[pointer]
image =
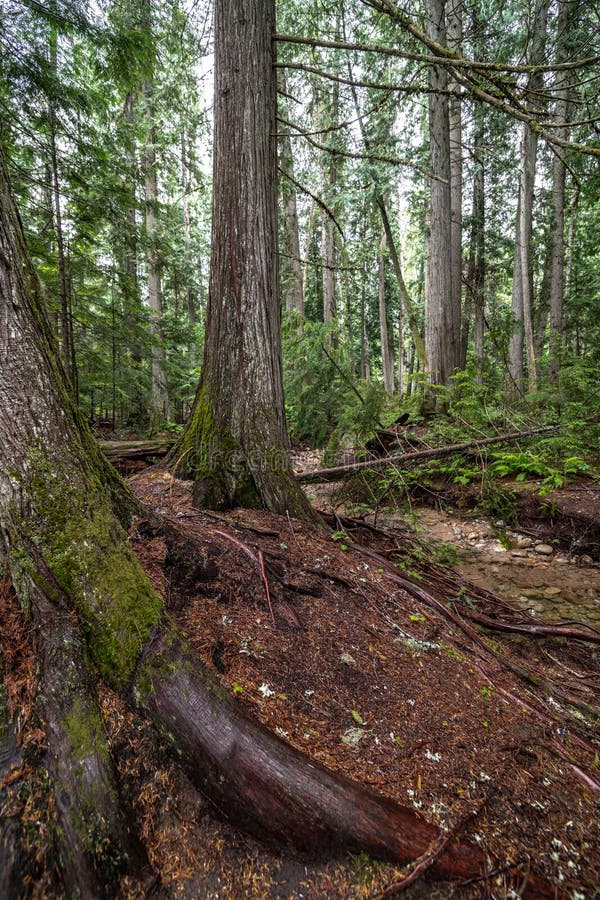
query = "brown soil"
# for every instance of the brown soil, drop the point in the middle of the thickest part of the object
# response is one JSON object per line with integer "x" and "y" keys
{"x": 356, "y": 671}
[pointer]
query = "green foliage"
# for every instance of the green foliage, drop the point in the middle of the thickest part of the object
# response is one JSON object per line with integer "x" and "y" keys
{"x": 323, "y": 405}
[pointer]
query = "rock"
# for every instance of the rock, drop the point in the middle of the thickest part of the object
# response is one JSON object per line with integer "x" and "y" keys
{"x": 586, "y": 560}
{"x": 519, "y": 553}
{"x": 353, "y": 737}
{"x": 544, "y": 549}
{"x": 551, "y": 592}
{"x": 523, "y": 543}
{"x": 473, "y": 536}
{"x": 349, "y": 660}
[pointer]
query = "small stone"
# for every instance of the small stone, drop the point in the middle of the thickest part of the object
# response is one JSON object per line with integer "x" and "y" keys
{"x": 544, "y": 549}
{"x": 353, "y": 737}
{"x": 499, "y": 523}
{"x": 586, "y": 560}
{"x": 497, "y": 547}
{"x": 519, "y": 553}
{"x": 523, "y": 543}
{"x": 551, "y": 592}
{"x": 473, "y": 536}
{"x": 349, "y": 660}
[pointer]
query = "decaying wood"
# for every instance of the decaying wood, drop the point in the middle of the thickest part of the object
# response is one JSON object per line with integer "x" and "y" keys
{"x": 95, "y": 845}
{"x": 337, "y": 473}
{"x": 145, "y": 450}
{"x": 11, "y": 856}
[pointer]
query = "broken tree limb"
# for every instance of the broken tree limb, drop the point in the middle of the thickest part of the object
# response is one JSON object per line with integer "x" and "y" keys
{"x": 337, "y": 473}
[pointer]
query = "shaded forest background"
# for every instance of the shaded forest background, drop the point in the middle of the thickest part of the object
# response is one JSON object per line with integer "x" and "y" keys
{"x": 427, "y": 234}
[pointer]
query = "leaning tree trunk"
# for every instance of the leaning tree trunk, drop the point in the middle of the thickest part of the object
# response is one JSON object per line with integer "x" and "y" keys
{"x": 62, "y": 510}
{"x": 236, "y": 444}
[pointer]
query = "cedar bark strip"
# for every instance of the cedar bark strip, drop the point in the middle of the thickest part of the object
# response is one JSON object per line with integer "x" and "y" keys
{"x": 336, "y": 473}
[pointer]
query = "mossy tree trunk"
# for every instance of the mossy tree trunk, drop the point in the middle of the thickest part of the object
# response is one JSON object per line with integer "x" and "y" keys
{"x": 62, "y": 516}
{"x": 236, "y": 445}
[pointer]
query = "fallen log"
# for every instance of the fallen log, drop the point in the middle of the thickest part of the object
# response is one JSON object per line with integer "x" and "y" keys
{"x": 337, "y": 473}
{"x": 126, "y": 450}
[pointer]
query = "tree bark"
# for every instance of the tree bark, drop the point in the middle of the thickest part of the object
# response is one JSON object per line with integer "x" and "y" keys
{"x": 159, "y": 412}
{"x": 455, "y": 35}
{"x": 387, "y": 361}
{"x": 292, "y": 266}
{"x": 442, "y": 319}
{"x": 476, "y": 269}
{"x": 236, "y": 444}
{"x": 522, "y": 285}
{"x": 557, "y": 251}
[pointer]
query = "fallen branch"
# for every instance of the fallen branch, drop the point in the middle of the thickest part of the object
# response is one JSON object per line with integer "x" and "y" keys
{"x": 336, "y": 473}
{"x": 122, "y": 450}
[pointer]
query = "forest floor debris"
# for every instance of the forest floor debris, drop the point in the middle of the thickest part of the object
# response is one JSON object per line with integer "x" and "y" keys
{"x": 363, "y": 677}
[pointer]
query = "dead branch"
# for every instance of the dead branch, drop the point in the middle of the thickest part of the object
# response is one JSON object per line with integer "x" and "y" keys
{"x": 337, "y": 473}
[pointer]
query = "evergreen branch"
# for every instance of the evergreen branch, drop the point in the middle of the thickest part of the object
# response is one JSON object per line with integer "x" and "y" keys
{"x": 370, "y": 85}
{"x": 446, "y": 58}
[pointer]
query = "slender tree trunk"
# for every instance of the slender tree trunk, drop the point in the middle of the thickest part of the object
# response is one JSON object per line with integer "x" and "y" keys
{"x": 557, "y": 255}
{"x": 191, "y": 294}
{"x": 387, "y": 362}
{"x": 455, "y": 34}
{"x": 522, "y": 284}
{"x": 292, "y": 265}
{"x": 405, "y": 298}
{"x": 365, "y": 369}
{"x": 476, "y": 272}
{"x": 236, "y": 443}
{"x": 159, "y": 413}
{"x": 441, "y": 316}
{"x": 329, "y": 231}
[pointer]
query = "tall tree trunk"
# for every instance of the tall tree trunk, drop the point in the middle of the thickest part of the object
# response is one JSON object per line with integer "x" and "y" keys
{"x": 476, "y": 271}
{"x": 365, "y": 368}
{"x": 522, "y": 285}
{"x": 66, "y": 318}
{"x": 236, "y": 443}
{"x": 557, "y": 253}
{"x": 329, "y": 230}
{"x": 292, "y": 264}
{"x": 191, "y": 294}
{"x": 387, "y": 361}
{"x": 442, "y": 319}
{"x": 455, "y": 34}
{"x": 159, "y": 413}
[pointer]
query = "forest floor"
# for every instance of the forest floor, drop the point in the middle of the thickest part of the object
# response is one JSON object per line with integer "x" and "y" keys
{"x": 351, "y": 658}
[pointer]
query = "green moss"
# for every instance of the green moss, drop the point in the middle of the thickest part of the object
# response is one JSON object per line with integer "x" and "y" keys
{"x": 209, "y": 454}
{"x": 84, "y": 730}
{"x": 88, "y": 557}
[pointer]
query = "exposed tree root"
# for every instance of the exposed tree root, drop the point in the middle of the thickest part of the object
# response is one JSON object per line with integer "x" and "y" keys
{"x": 94, "y": 841}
